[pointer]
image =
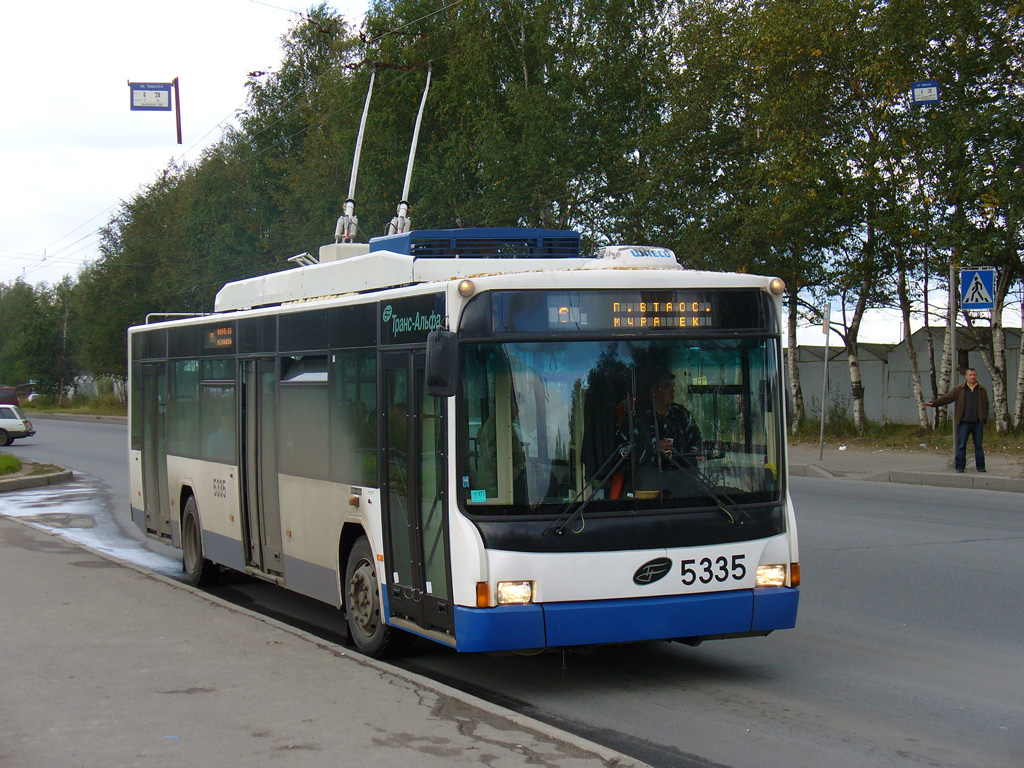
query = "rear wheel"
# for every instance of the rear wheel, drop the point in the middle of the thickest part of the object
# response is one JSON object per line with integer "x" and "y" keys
{"x": 366, "y": 627}
{"x": 198, "y": 569}
{"x": 5, "y": 439}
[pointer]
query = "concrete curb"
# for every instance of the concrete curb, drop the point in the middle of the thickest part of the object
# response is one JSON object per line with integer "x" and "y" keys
{"x": 35, "y": 481}
{"x": 608, "y": 756}
{"x": 90, "y": 417}
{"x": 970, "y": 481}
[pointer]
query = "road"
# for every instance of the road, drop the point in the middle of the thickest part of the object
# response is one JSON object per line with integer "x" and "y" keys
{"x": 908, "y": 649}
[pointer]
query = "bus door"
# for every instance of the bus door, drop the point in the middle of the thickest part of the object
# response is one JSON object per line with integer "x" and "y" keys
{"x": 261, "y": 511}
{"x": 154, "y": 449}
{"x": 416, "y": 521}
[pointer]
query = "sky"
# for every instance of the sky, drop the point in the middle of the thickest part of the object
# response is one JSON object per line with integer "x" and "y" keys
{"x": 71, "y": 149}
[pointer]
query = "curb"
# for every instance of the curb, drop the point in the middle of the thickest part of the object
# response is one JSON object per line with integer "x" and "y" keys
{"x": 904, "y": 477}
{"x": 90, "y": 417}
{"x": 35, "y": 481}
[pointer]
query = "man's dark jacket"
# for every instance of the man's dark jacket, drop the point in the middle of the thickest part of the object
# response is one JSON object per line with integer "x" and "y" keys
{"x": 957, "y": 394}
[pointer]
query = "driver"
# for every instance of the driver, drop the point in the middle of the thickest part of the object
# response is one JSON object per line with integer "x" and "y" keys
{"x": 668, "y": 427}
{"x": 666, "y": 435}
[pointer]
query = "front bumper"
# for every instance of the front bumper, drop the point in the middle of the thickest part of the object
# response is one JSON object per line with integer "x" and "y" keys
{"x": 681, "y": 617}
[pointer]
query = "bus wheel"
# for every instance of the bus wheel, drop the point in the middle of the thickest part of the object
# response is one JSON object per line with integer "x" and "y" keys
{"x": 366, "y": 628}
{"x": 198, "y": 569}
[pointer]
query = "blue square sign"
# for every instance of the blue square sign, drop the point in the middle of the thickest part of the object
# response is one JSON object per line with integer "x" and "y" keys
{"x": 977, "y": 288}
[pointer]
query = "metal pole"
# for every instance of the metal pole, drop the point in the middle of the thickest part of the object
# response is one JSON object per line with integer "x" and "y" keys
{"x": 954, "y": 373}
{"x": 824, "y": 385}
{"x": 177, "y": 108}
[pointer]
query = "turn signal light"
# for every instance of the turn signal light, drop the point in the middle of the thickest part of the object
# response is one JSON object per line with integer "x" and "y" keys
{"x": 483, "y": 595}
{"x": 794, "y": 574}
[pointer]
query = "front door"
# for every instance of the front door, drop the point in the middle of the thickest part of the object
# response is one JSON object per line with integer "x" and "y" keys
{"x": 416, "y": 520}
{"x": 260, "y": 508}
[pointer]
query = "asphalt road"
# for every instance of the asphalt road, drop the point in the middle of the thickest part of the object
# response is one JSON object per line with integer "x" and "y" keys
{"x": 908, "y": 650}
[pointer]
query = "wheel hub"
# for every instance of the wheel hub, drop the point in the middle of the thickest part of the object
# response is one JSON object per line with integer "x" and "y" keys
{"x": 362, "y": 595}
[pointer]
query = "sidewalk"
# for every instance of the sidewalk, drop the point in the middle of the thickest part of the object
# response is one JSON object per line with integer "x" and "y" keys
{"x": 106, "y": 665}
{"x": 935, "y": 468}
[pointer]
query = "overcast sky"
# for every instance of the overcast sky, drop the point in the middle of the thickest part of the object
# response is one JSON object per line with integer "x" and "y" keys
{"x": 70, "y": 147}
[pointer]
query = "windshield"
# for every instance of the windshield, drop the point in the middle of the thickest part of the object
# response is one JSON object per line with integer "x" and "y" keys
{"x": 656, "y": 424}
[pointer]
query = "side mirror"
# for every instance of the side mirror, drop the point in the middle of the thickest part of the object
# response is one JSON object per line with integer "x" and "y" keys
{"x": 442, "y": 362}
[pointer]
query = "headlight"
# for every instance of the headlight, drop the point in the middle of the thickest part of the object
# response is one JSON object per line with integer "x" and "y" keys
{"x": 771, "y": 575}
{"x": 515, "y": 592}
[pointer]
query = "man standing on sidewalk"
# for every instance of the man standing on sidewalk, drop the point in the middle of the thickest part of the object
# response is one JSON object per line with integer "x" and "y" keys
{"x": 969, "y": 415}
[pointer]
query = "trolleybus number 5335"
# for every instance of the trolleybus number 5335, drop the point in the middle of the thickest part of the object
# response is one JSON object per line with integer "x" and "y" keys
{"x": 720, "y": 569}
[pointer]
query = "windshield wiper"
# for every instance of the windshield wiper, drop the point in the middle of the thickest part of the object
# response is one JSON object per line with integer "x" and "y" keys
{"x": 567, "y": 515}
{"x": 729, "y": 508}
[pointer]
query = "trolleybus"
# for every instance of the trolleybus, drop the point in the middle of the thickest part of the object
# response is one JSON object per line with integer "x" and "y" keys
{"x": 480, "y": 437}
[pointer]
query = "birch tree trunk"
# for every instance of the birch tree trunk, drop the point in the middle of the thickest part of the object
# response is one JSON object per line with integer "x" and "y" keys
{"x": 945, "y": 372}
{"x": 915, "y": 371}
{"x": 791, "y": 360}
{"x": 995, "y": 357}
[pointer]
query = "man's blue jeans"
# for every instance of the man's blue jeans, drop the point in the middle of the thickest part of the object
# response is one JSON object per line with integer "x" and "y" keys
{"x": 974, "y": 429}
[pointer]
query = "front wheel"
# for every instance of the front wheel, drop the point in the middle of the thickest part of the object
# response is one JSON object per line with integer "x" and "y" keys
{"x": 366, "y": 627}
{"x": 197, "y": 568}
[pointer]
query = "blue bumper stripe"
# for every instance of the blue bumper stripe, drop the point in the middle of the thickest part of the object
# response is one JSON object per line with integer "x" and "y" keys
{"x": 774, "y": 609}
{"x": 505, "y": 628}
{"x": 556, "y": 625}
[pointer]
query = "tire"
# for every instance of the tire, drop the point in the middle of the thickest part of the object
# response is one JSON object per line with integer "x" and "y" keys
{"x": 366, "y": 628}
{"x": 5, "y": 439}
{"x": 198, "y": 569}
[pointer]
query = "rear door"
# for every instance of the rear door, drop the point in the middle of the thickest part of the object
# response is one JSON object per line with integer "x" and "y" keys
{"x": 154, "y": 449}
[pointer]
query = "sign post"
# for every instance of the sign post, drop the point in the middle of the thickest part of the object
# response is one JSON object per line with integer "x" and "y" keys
{"x": 824, "y": 381}
{"x": 156, "y": 97}
{"x": 954, "y": 357}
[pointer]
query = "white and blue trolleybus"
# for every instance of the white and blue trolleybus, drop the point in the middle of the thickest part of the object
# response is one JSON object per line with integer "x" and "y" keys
{"x": 482, "y": 438}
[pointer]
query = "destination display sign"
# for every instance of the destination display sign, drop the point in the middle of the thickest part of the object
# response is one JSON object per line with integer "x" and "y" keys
{"x": 618, "y": 311}
{"x": 222, "y": 337}
{"x": 662, "y": 314}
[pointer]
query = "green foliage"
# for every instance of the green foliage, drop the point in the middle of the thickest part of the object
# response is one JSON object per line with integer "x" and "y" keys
{"x": 9, "y": 464}
{"x": 772, "y": 136}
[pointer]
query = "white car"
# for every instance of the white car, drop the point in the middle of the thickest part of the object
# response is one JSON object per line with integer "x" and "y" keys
{"x": 13, "y": 425}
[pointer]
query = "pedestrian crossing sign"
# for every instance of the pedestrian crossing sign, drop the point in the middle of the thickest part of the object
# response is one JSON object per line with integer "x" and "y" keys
{"x": 977, "y": 288}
